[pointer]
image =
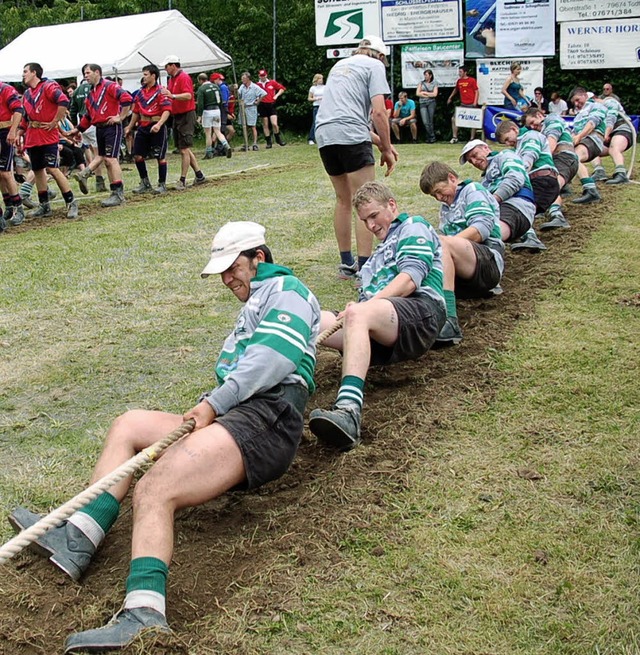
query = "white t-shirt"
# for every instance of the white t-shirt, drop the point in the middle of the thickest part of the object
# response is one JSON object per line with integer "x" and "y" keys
{"x": 316, "y": 92}
{"x": 558, "y": 107}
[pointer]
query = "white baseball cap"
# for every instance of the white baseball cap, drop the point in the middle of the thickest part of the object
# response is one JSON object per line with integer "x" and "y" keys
{"x": 375, "y": 43}
{"x": 170, "y": 59}
{"x": 230, "y": 240}
{"x": 468, "y": 147}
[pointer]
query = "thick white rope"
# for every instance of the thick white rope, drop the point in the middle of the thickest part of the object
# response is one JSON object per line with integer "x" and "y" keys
{"x": 55, "y": 518}
{"x": 633, "y": 151}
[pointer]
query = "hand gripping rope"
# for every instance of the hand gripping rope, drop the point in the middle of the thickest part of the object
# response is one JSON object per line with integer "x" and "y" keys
{"x": 150, "y": 454}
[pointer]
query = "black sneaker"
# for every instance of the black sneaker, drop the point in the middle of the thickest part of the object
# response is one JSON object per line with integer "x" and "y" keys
{"x": 599, "y": 174}
{"x": 338, "y": 426}
{"x": 348, "y": 272}
{"x": 529, "y": 242}
{"x": 588, "y": 195}
{"x": 121, "y": 631}
{"x": 556, "y": 220}
{"x": 451, "y": 334}
{"x": 618, "y": 178}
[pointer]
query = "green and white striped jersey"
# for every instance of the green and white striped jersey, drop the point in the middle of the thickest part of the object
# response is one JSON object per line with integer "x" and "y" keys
{"x": 595, "y": 113}
{"x": 272, "y": 343}
{"x": 555, "y": 126}
{"x": 412, "y": 247}
{"x": 533, "y": 148}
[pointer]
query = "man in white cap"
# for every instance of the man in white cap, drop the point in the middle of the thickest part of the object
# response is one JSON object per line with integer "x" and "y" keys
{"x": 183, "y": 109}
{"x": 354, "y": 95}
{"x": 248, "y": 429}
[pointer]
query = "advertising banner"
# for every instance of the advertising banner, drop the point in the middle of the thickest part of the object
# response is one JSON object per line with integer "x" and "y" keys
{"x": 469, "y": 117}
{"x": 492, "y": 74}
{"x": 409, "y": 21}
{"x": 600, "y": 44}
{"x": 493, "y": 116}
{"x": 510, "y": 28}
{"x": 343, "y": 22}
{"x": 571, "y": 10}
{"x": 442, "y": 59}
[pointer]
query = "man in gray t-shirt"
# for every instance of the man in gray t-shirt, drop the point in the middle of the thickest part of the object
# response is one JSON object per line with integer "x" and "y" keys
{"x": 354, "y": 95}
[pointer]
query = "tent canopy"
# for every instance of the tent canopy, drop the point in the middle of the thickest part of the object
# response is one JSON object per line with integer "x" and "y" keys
{"x": 116, "y": 44}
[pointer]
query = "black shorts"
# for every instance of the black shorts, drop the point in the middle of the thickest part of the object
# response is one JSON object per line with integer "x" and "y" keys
{"x": 44, "y": 157}
{"x": 266, "y": 109}
{"x": 420, "y": 320}
{"x": 6, "y": 152}
{"x": 485, "y": 277}
{"x": 623, "y": 130}
{"x": 184, "y": 126}
{"x": 545, "y": 190}
{"x": 341, "y": 159}
{"x": 593, "y": 149}
{"x": 109, "y": 138}
{"x": 150, "y": 144}
{"x": 518, "y": 223}
{"x": 267, "y": 428}
{"x": 71, "y": 155}
{"x": 567, "y": 164}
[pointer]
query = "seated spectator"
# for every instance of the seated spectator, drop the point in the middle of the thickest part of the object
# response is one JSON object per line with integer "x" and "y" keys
{"x": 404, "y": 114}
{"x": 505, "y": 176}
{"x": 557, "y": 105}
{"x": 539, "y": 100}
{"x": 400, "y": 312}
{"x": 472, "y": 247}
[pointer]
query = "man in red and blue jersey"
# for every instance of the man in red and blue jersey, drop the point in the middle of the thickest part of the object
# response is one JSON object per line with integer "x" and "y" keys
{"x": 45, "y": 104}
{"x": 180, "y": 91}
{"x": 11, "y": 113}
{"x": 267, "y": 107}
{"x": 107, "y": 106}
{"x": 151, "y": 111}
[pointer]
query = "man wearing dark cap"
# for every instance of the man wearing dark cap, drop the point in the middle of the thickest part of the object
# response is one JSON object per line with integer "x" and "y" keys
{"x": 267, "y": 107}
{"x": 225, "y": 124}
{"x": 183, "y": 108}
{"x": 247, "y": 432}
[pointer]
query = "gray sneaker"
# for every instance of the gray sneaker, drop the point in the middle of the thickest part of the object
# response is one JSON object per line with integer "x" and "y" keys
{"x": 72, "y": 209}
{"x": 199, "y": 180}
{"x": 6, "y": 215}
{"x": 144, "y": 186}
{"x": 65, "y": 546}
{"x": 555, "y": 221}
{"x": 451, "y": 333}
{"x": 115, "y": 199}
{"x": 44, "y": 210}
{"x": 52, "y": 193}
{"x": 81, "y": 178}
{"x": 588, "y": 195}
{"x": 180, "y": 185}
{"x": 348, "y": 272}
{"x": 121, "y": 631}
{"x": 101, "y": 187}
{"x": 618, "y": 178}
{"x": 228, "y": 151}
{"x": 599, "y": 174}
{"x": 338, "y": 426}
{"x": 160, "y": 190}
{"x": 3, "y": 223}
{"x": 18, "y": 215}
{"x": 27, "y": 202}
{"x": 529, "y": 242}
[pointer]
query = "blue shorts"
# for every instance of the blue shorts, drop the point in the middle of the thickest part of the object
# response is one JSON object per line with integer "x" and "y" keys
{"x": 109, "y": 138}
{"x": 150, "y": 144}
{"x": 6, "y": 152}
{"x": 44, "y": 157}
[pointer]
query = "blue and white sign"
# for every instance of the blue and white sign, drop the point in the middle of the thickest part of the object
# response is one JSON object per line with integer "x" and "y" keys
{"x": 416, "y": 21}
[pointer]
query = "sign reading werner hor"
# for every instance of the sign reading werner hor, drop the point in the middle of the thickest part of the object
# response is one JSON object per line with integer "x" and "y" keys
{"x": 567, "y": 10}
{"x": 600, "y": 44}
{"x": 412, "y": 21}
{"x": 343, "y": 22}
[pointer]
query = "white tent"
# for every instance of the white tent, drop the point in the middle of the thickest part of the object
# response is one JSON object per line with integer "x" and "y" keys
{"x": 121, "y": 46}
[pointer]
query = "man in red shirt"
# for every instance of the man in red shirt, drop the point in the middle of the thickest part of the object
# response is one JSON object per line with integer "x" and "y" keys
{"x": 45, "y": 105}
{"x": 107, "y": 106}
{"x": 151, "y": 111}
{"x": 267, "y": 107}
{"x": 11, "y": 113}
{"x": 180, "y": 91}
{"x": 467, "y": 88}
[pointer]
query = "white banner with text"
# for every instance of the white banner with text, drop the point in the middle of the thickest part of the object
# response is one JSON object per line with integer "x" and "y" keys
{"x": 572, "y": 10}
{"x": 343, "y": 22}
{"x": 442, "y": 59}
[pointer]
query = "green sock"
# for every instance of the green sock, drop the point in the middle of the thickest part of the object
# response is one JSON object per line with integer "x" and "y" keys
{"x": 351, "y": 391}
{"x": 149, "y": 574}
{"x": 587, "y": 183}
{"x": 103, "y": 510}
{"x": 450, "y": 300}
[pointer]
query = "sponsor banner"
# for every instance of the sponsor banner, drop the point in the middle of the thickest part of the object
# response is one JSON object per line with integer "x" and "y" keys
{"x": 343, "y": 22}
{"x": 493, "y": 73}
{"x": 442, "y": 59}
{"x": 510, "y": 28}
{"x": 572, "y": 10}
{"x": 469, "y": 117}
{"x": 600, "y": 44}
{"x": 410, "y": 21}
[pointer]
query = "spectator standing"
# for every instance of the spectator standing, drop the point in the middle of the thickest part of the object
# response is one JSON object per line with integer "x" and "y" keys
{"x": 467, "y": 88}
{"x": 512, "y": 90}
{"x": 427, "y": 92}
{"x": 557, "y": 105}
{"x": 11, "y": 113}
{"x": 354, "y": 93}
{"x": 251, "y": 95}
{"x": 208, "y": 102}
{"x": 315, "y": 96}
{"x": 404, "y": 113}
{"x": 267, "y": 107}
{"x": 183, "y": 108}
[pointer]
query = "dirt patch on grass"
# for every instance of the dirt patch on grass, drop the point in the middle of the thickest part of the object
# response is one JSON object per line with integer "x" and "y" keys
{"x": 270, "y": 540}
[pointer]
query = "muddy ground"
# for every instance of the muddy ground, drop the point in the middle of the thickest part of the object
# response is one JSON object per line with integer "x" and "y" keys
{"x": 269, "y": 539}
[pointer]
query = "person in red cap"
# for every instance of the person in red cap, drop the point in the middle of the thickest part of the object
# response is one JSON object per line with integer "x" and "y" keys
{"x": 267, "y": 107}
{"x": 225, "y": 125}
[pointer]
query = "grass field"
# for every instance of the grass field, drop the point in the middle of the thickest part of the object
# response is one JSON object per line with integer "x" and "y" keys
{"x": 493, "y": 508}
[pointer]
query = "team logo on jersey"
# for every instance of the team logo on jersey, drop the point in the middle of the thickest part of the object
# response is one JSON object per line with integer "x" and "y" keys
{"x": 421, "y": 241}
{"x": 284, "y": 318}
